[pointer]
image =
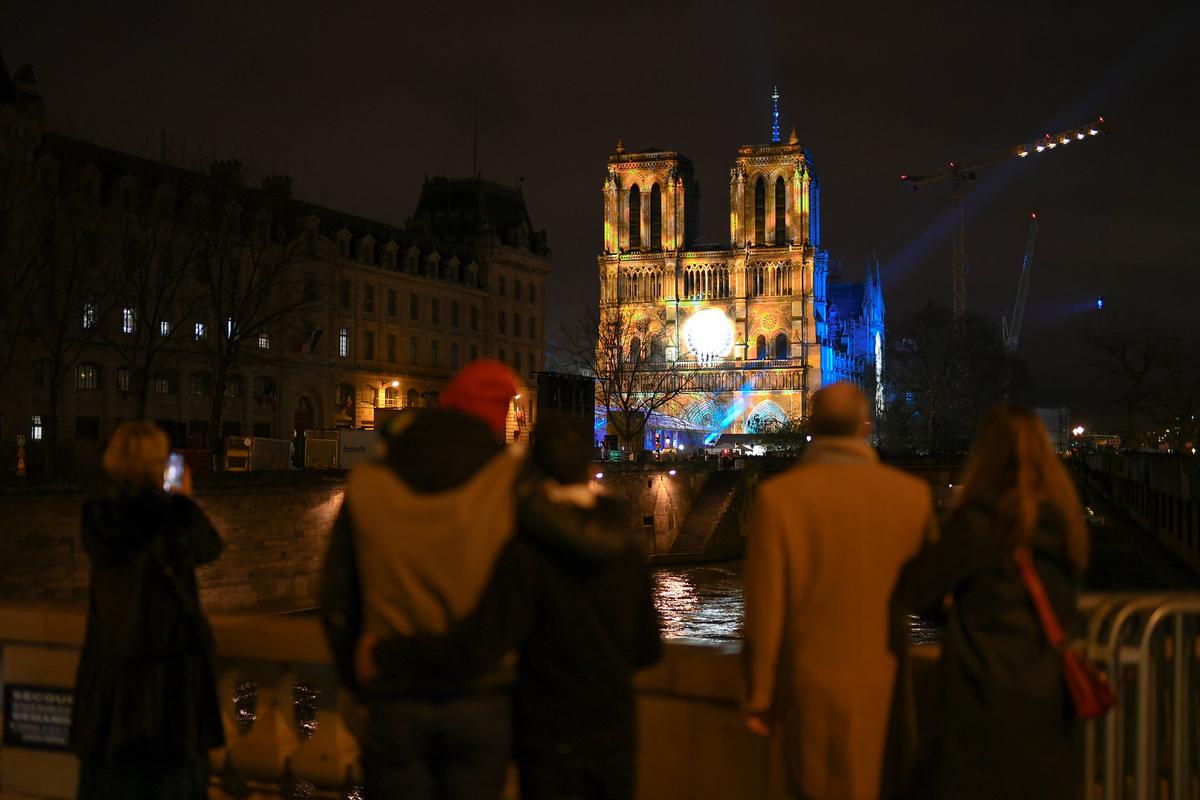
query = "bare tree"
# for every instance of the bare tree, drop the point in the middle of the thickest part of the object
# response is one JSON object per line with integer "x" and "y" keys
{"x": 20, "y": 248}
{"x": 256, "y": 284}
{"x": 1126, "y": 355}
{"x": 149, "y": 281}
{"x": 1177, "y": 385}
{"x": 621, "y": 348}
{"x": 66, "y": 298}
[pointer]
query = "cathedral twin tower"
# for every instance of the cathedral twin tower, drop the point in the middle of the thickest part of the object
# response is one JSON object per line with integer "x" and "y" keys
{"x": 748, "y": 320}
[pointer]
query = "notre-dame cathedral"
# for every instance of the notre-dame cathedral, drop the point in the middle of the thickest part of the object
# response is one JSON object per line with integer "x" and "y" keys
{"x": 756, "y": 321}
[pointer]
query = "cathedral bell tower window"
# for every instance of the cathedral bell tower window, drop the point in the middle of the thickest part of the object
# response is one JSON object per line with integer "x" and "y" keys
{"x": 655, "y": 218}
{"x": 760, "y": 212}
{"x": 780, "y": 211}
{"x": 635, "y": 218}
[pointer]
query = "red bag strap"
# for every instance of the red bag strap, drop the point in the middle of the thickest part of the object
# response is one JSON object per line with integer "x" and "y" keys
{"x": 1037, "y": 593}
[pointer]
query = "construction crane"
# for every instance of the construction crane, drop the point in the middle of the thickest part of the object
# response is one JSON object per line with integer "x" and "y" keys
{"x": 1012, "y": 335}
{"x": 960, "y": 172}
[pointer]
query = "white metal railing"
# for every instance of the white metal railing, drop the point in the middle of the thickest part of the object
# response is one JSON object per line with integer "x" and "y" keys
{"x": 1146, "y": 747}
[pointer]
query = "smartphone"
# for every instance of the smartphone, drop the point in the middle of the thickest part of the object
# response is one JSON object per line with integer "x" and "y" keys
{"x": 173, "y": 473}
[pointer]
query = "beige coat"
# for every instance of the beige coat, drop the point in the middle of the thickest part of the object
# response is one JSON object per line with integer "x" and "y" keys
{"x": 828, "y": 541}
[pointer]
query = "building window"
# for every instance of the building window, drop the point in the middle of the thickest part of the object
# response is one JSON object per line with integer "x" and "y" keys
{"x": 233, "y": 387}
{"x": 516, "y": 324}
{"x": 454, "y": 314}
{"x": 344, "y": 342}
{"x": 474, "y": 352}
{"x": 35, "y": 427}
{"x": 760, "y": 346}
{"x": 412, "y": 350}
{"x": 655, "y": 218}
{"x": 164, "y": 328}
{"x": 128, "y": 320}
{"x": 501, "y": 322}
{"x": 87, "y": 376}
{"x": 780, "y": 211}
{"x": 164, "y": 383}
{"x": 391, "y": 397}
{"x": 517, "y": 361}
{"x": 344, "y": 292}
{"x": 412, "y": 399}
{"x": 635, "y": 217}
{"x": 414, "y": 306}
{"x": 199, "y": 385}
{"x": 532, "y": 328}
{"x": 433, "y": 353}
{"x": 391, "y": 347}
{"x": 264, "y": 389}
{"x": 391, "y": 302}
{"x": 781, "y": 346}
{"x": 503, "y": 286}
{"x": 124, "y": 380}
{"x": 264, "y": 341}
{"x": 89, "y": 313}
{"x": 230, "y": 326}
{"x": 454, "y": 355}
{"x": 532, "y": 363}
{"x": 517, "y": 289}
{"x": 368, "y": 298}
{"x": 760, "y": 212}
{"x": 532, "y": 293}
{"x": 369, "y": 345}
{"x": 87, "y": 428}
{"x": 474, "y": 318}
{"x": 42, "y": 368}
{"x": 200, "y": 332}
{"x": 435, "y": 310}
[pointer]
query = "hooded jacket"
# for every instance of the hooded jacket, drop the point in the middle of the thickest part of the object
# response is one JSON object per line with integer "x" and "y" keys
{"x": 417, "y": 537}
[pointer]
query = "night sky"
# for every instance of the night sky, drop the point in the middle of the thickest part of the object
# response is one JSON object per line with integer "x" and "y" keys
{"x": 359, "y": 101}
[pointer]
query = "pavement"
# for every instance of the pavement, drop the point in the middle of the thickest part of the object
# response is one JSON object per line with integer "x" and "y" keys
{"x": 1126, "y": 557}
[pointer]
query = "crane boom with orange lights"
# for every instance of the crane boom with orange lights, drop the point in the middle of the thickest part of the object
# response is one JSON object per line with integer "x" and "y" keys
{"x": 960, "y": 172}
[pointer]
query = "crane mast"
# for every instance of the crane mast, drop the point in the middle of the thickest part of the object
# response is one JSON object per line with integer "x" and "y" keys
{"x": 960, "y": 172}
{"x": 1012, "y": 334}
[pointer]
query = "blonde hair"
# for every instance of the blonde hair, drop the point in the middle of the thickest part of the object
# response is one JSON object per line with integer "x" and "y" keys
{"x": 136, "y": 455}
{"x": 1013, "y": 469}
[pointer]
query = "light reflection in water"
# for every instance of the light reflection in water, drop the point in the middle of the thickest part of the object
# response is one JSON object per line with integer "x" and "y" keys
{"x": 704, "y": 601}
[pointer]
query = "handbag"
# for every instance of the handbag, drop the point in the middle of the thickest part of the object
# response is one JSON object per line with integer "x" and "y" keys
{"x": 1091, "y": 694}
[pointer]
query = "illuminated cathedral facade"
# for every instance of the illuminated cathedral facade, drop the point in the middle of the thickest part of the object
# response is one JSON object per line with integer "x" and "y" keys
{"x": 751, "y": 320}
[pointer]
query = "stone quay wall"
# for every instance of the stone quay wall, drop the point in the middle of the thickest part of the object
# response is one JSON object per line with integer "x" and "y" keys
{"x": 275, "y": 527}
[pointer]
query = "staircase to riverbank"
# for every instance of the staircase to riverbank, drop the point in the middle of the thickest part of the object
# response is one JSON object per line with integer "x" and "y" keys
{"x": 709, "y": 509}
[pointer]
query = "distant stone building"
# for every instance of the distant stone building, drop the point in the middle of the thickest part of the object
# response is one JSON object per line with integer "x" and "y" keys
{"x": 388, "y": 312}
{"x": 754, "y": 320}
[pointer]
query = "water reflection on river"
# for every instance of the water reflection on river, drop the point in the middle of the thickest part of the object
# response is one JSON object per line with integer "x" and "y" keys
{"x": 704, "y": 602}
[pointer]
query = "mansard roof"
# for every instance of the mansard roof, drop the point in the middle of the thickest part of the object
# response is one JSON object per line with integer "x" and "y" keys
{"x": 459, "y": 210}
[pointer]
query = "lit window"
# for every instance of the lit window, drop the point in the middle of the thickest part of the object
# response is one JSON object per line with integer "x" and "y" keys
{"x": 128, "y": 320}
{"x": 164, "y": 328}
{"x": 124, "y": 379}
{"x": 344, "y": 342}
{"x": 89, "y": 313}
{"x": 200, "y": 332}
{"x": 87, "y": 376}
{"x": 164, "y": 383}
{"x": 35, "y": 427}
{"x": 229, "y": 327}
{"x": 264, "y": 341}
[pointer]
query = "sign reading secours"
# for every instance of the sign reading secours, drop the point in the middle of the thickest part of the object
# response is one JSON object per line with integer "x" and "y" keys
{"x": 709, "y": 334}
{"x": 37, "y": 717}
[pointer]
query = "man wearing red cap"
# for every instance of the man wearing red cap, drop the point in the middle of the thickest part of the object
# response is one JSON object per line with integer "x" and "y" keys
{"x": 410, "y": 554}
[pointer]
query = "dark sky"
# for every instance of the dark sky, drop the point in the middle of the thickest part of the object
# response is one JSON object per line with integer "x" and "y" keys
{"x": 359, "y": 100}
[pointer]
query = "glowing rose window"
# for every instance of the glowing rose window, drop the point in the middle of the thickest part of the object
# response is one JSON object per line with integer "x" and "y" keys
{"x": 709, "y": 334}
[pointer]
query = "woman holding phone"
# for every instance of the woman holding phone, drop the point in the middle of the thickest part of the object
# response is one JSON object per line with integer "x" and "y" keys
{"x": 145, "y": 710}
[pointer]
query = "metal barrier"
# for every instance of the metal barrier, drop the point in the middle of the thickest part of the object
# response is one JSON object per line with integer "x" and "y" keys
{"x": 1146, "y": 747}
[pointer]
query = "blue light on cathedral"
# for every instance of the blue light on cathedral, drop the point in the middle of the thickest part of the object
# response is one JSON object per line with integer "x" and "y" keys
{"x": 775, "y": 114}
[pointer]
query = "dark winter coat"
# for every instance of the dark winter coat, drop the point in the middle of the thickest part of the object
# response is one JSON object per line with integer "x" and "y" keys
{"x": 1006, "y": 725}
{"x": 145, "y": 688}
{"x": 583, "y": 622}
